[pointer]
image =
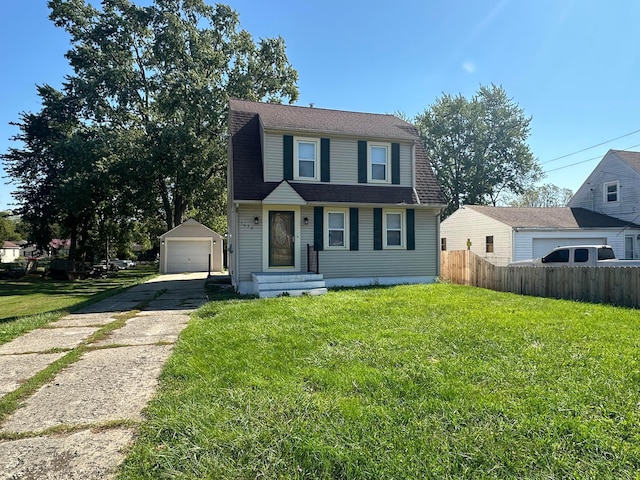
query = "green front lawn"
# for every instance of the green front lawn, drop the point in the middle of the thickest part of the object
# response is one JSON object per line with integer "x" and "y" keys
{"x": 432, "y": 381}
{"x": 33, "y": 301}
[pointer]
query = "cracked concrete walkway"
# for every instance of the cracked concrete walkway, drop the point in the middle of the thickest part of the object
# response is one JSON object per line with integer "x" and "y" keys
{"x": 79, "y": 424}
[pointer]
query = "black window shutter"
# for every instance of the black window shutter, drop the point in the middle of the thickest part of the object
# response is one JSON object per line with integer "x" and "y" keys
{"x": 362, "y": 161}
{"x": 353, "y": 229}
{"x": 288, "y": 157}
{"x": 325, "y": 171}
{"x": 411, "y": 229}
{"x": 377, "y": 229}
{"x": 318, "y": 217}
{"x": 395, "y": 163}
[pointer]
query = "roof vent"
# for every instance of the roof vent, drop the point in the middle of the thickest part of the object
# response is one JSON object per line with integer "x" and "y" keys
{"x": 311, "y": 105}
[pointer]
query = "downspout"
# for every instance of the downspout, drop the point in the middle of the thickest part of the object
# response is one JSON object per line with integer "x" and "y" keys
{"x": 438, "y": 247}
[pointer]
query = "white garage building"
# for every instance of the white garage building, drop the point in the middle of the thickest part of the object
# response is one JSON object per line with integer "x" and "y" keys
{"x": 508, "y": 234}
{"x": 191, "y": 247}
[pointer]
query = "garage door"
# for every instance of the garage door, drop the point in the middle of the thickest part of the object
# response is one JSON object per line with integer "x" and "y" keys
{"x": 188, "y": 256}
{"x": 542, "y": 246}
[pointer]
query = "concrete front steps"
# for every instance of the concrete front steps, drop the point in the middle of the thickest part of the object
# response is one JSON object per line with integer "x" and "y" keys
{"x": 294, "y": 284}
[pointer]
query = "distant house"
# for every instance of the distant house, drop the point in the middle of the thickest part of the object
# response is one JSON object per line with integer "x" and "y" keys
{"x": 613, "y": 188}
{"x": 322, "y": 197}
{"x": 191, "y": 247}
{"x": 506, "y": 234}
{"x": 9, "y": 252}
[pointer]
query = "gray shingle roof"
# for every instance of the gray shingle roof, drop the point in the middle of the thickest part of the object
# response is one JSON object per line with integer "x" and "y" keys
{"x": 244, "y": 129}
{"x": 320, "y": 120}
{"x": 554, "y": 217}
{"x": 632, "y": 158}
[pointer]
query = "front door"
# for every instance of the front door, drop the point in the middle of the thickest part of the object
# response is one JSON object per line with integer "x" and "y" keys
{"x": 281, "y": 239}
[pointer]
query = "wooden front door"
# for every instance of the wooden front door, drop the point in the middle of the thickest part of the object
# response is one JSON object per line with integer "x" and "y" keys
{"x": 281, "y": 239}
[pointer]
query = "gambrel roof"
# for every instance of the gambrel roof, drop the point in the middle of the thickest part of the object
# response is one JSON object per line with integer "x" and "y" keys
{"x": 324, "y": 121}
{"x": 245, "y": 119}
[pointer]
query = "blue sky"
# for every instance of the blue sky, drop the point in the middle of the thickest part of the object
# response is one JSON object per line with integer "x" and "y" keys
{"x": 572, "y": 65}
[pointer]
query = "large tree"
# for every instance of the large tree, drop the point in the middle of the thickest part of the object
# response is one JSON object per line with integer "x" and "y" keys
{"x": 547, "y": 195}
{"x": 62, "y": 171}
{"x": 158, "y": 78}
{"x": 478, "y": 147}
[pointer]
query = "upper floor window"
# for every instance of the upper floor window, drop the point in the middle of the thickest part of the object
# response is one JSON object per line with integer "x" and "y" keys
{"x": 337, "y": 226}
{"x": 393, "y": 229}
{"x": 378, "y": 168}
{"x": 306, "y": 159}
{"x": 611, "y": 192}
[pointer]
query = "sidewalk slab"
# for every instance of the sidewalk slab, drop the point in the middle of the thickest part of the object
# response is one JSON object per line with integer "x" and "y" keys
{"x": 83, "y": 455}
{"x": 84, "y": 320}
{"x": 16, "y": 369}
{"x": 44, "y": 339}
{"x": 104, "y": 385}
{"x": 146, "y": 330}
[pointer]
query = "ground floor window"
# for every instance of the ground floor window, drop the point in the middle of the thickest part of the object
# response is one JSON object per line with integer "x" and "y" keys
{"x": 337, "y": 222}
{"x": 393, "y": 229}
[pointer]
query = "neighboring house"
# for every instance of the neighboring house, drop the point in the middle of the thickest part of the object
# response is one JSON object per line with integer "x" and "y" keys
{"x": 191, "y": 247}
{"x": 506, "y": 234}
{"x": 349, "y": 195}
{"x": 613, "y": 188}
{"x": 10, "y": 252}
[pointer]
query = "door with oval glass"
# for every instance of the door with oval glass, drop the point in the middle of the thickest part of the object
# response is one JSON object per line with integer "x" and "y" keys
{"x": 281, "y": 239}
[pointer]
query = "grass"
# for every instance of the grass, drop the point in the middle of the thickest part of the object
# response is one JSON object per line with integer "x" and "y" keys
{"x": 432, "y": 381}
{"x": 33, "y": 301}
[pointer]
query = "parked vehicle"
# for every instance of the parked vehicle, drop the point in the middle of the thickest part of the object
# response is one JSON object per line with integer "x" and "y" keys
{"x": 578, "y": 256}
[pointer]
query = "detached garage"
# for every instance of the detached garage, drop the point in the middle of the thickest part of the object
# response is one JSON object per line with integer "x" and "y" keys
{"x": 191, "y": 247}
{"x": 507, "y": 234}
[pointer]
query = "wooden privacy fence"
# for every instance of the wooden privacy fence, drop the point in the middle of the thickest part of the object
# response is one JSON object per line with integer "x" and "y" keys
{"x": 613, "y": 285}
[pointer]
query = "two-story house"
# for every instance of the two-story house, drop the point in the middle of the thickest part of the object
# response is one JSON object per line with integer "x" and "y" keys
{"x": 329, "y": 197}
{"x": 613, "y": 188}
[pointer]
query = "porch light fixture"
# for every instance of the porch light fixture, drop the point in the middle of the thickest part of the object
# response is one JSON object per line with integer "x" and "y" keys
{"x": 306, "y": 221}
{"x": 256, "y": 220}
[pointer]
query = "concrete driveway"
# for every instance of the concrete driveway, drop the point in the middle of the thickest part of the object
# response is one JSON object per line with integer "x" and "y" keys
{"x": 79, "y": 424}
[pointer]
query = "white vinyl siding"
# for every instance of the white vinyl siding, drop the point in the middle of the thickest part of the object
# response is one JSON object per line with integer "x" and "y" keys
{"x": 248, "y": 247}
{"x": 343, "y": 160}
{"x": 591, "y": 194}
{"x": 367, "y": 262}
{"x": 273, "y": 158}
{"x": 466, "y": 223}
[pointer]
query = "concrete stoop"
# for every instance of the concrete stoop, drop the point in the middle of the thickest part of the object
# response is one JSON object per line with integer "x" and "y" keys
{"x": 293, "y": 284}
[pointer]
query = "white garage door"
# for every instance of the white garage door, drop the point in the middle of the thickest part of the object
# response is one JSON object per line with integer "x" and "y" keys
{"x": 188, "y": 256}
{"x": 542, "y": 246}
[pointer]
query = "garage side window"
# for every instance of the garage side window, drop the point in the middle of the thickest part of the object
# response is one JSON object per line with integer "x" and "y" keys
{"x": 489, "y": 244}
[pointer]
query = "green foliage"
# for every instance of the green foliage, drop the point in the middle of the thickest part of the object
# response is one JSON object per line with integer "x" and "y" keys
{"x": 136, "y": 140}
{"x": 546, "y": 195}
{"x": 478, "y": 147}
{"x": 430, "y": 381}
{"x": 159, "y": 78}
{"x": 4, "y": 230}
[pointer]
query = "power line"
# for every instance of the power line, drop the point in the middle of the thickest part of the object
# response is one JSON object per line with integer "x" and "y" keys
{"x": 585, "y": 161}
{"x": 588, "y": 148}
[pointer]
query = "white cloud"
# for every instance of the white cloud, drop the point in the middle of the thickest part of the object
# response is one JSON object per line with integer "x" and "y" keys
{"x": 469, "y": 66}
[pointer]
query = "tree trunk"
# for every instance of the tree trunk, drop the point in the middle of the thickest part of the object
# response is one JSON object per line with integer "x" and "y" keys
{"x": 166, "y": 204}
